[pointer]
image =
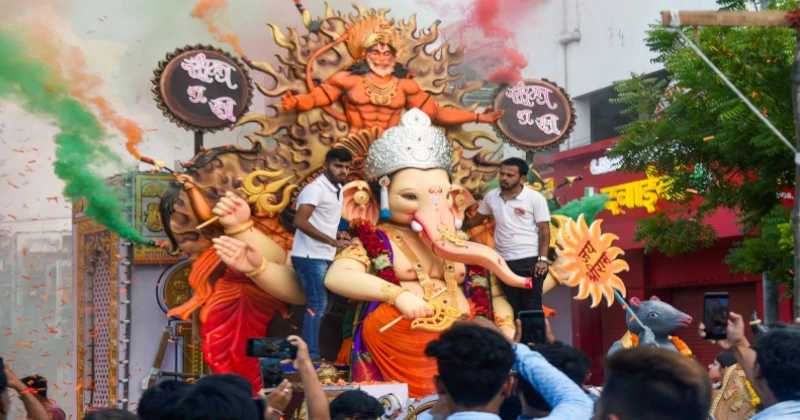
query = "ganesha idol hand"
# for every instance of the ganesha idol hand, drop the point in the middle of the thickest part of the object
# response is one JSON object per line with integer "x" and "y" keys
{"x": 412, "y": 306}
{"x": 232, "y": 211}
{"x": 237, "y": 255}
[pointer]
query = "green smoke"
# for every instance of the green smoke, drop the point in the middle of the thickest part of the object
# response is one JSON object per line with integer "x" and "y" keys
{"x": 38, "y": 89}
{"x": 589, "y": 207}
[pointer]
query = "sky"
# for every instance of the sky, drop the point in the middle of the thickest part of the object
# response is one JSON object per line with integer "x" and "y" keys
{"x": 123, "y": 41}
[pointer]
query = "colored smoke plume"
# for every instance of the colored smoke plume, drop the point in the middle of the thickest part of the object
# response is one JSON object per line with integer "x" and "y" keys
{"x": 497, "y": 20}
{"x": 82, "y": 83}
{"x": 37, "y": 88}
{"x": 84, "y": 86}
{"x": 206, "y": 10}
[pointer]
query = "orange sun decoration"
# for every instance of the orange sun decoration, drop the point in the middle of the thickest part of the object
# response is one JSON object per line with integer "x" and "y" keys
{"x": 587, "y": 260}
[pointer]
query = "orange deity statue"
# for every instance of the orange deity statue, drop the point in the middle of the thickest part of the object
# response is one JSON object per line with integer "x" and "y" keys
{"x": 376, "y": 88}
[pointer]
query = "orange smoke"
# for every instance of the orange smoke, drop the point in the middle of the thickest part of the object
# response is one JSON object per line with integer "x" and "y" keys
{"x": 206, "y": 10}
{"x": 83, "y": 85}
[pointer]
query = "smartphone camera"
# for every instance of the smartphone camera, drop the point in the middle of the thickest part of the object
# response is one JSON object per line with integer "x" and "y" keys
{"x": 275, "y": 348}
{"x": 715, "y": 315}
{"x": 534, "y": 328}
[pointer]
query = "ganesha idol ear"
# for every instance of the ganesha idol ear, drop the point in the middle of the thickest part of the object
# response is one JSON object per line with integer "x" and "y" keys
{"x": 462, "y": 200}
{"x": 359, "y": 203}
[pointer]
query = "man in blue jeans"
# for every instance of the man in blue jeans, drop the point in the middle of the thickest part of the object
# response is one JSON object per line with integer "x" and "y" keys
{"x": 319, "y": 211}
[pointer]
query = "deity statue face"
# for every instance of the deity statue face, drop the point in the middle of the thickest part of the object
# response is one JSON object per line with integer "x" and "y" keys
{"x": 381, "y": 60}
{"x": 425, "y": 200}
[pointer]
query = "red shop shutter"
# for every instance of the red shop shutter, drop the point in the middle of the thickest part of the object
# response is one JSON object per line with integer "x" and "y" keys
{"x": 690, "y": 301}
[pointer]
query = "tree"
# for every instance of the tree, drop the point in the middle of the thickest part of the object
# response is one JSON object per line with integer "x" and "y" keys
{"x": 716, "y": 154}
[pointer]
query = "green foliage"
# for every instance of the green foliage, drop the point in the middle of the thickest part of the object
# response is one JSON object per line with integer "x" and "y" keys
{"x": 767, "y": 251}
{"x": 707, "y": 140}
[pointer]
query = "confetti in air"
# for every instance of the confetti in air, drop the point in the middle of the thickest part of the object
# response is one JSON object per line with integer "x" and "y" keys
{"x": 207, "y": 10}
{"x": 38, "y": 88}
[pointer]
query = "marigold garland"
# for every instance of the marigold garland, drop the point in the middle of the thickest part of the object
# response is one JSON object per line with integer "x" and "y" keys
{"x": 679, "y": 344}
{"x": 381, "y": 259}
{"x": 755, "y": 400}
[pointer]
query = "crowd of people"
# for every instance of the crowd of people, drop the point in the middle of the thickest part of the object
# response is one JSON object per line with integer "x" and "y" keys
{"x": 483, "y": 375}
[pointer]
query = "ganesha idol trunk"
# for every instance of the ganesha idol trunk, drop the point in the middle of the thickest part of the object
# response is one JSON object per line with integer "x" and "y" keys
{"x": 448, "y": 245}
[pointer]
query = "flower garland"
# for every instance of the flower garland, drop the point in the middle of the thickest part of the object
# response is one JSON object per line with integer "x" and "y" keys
{"x": 478, "y": 289}
{"x": 381, "y": 259}
{"x": 679, "y": 344}
{"x": 755, "y": 400}
{"x": 376, "y": 249}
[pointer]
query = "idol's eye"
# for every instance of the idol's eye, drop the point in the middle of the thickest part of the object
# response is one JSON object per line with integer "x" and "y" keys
{"x": 410, "y": 196}
{"x": 653, "y": 314}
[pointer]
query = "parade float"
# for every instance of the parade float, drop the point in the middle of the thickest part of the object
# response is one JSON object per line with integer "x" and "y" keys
{"x": 175, "y": 308}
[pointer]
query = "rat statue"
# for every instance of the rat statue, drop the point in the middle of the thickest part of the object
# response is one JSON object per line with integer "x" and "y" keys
{"x": 660, "y": 320}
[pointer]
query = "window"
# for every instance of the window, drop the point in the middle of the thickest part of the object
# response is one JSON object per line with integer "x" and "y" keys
{"x": 607, "y": 117}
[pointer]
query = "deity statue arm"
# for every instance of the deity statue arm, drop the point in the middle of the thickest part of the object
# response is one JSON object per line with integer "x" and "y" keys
{"x": 348, "y": 276}
{"x": 323, "y": 95}
{"x": 237, "y": 220}
{"x": 200, "y": 207}
{"x": 418, "y": 98}
{"x": 281, "y": 282}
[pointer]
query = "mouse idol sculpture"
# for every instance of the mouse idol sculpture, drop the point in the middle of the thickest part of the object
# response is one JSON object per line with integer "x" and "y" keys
{"x": 661, "y": 319}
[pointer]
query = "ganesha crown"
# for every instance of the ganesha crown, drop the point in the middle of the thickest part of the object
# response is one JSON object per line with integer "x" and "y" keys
{"x": 412, "y": 144}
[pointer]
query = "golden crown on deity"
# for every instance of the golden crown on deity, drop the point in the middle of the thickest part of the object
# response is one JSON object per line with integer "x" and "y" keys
{"x": 412, "y": 144}
{"x": 370, "y": 31}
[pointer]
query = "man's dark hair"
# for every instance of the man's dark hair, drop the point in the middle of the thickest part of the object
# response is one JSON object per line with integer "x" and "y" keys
{"x": 474, "y": 363}
{"x": 37, "y": 382}
{"x": 3, "y": 379}
{"x": 778, "y": 357}
{"x": 211, "y": 401}
{"x": 361, "y": 67}
{"x": 570, "y": 361}
{"x": 655, "y": 384}
{"x": 157, "y": 399}
{"x": 342, "y": 155}
{"x": 519, "y": 163}
{"x": 110, "y": 414}
{"x": 230, "y": 379}
{"x": 356, "y": 405}
{"x": 726, "y": 359}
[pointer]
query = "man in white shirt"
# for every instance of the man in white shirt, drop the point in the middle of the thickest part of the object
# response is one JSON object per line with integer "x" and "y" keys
{"x": 522, "y": 231}
{"x": 319, "y": 211}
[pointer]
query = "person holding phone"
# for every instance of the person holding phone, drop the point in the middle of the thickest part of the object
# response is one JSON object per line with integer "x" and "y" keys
{"x": 522, "y": 231}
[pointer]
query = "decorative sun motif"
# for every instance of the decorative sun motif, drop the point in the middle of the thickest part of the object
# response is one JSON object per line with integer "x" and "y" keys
{"x": 587, "y": 260}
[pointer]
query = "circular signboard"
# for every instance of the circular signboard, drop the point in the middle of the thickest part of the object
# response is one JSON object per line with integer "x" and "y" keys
{"x": 202, "y": 88}
{"x": 538, "y": 115}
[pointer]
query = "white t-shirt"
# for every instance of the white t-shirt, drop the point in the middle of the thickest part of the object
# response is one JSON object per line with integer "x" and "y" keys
{"x": 327, "y": 201}
{"x": 516, "y": 235}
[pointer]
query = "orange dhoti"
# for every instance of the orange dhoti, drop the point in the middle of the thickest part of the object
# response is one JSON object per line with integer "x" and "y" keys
{"x": 399, "y": 352}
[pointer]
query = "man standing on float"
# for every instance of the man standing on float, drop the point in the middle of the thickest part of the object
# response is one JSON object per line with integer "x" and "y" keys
{"x": 522, "y": 231}
{"x": 319, "y": 211}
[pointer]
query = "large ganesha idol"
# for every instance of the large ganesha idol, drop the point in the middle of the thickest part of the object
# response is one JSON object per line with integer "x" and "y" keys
{"x": 409, "y": 259}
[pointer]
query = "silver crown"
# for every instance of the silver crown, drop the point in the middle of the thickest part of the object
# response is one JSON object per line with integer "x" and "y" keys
{"x": 412, "y": 144}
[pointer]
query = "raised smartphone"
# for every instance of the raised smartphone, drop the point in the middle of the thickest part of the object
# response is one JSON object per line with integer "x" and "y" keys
{"x": 274, "y": 348}
{"x": 715, "y": 315}
{"x": 534, "y": 329}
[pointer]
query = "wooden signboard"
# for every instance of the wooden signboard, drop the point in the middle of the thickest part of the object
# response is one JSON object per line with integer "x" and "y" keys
{"x": 202, "y": 88}
{"x": 538, "y": 115}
